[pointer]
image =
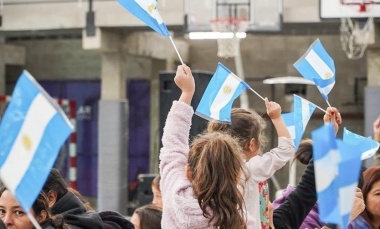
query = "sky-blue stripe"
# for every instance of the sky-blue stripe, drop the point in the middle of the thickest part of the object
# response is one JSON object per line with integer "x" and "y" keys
{"x": 322, "y": 53}
{"x": 323, "y": 141}
{"x": 349, "y": 168}
{"x": 328, "y": 203}
{"x": 225, "y": 112}
{"x": 24, "y": 93}
{"x": 297, "y": 104}
{"x": 306, "y": 70}
{"x": 135, "y": 9}
{"x": 212, "y": 90}
{"x": 345, "y": 220}
{"x": 55, "y": 134}
{"x": 288, "y": 118}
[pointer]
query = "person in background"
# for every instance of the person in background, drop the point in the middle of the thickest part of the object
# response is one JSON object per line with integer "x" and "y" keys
{"x": 304, "y": 154}
{"x": 61, "y": 201}
{"x": 114, "y": 220}
{"x": 248, "y": 127}
{"x": 13, "y": 216}
{"x": 147, "y": 217}
{"x": 157, "y": 197}
{"x": 370, "y": 217}
{"x": 84, "y": 201}
{"x": 199, "y": 183}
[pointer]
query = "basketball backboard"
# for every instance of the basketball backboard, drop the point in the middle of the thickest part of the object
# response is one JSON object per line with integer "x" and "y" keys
{"x": 349, "y": 9}
{"x": 262, "y": 15}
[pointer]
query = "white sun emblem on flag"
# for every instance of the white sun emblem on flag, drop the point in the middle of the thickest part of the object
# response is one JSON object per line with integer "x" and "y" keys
{"x": 227, "y": 89}
{"x": 328, "y": 75}
{"x": 151, "y": 8}
{"x": 27, "y": 142}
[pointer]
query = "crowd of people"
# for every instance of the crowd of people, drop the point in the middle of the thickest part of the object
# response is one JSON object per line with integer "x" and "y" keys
{"x": 218, "y": 180}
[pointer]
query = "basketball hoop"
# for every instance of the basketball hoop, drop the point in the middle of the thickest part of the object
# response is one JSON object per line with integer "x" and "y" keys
{"x": 229, "y": 31}
{"x": 356, "y": 34}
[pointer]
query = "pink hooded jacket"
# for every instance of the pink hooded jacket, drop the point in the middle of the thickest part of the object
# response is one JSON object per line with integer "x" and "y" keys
{"x": 180, "y": 207}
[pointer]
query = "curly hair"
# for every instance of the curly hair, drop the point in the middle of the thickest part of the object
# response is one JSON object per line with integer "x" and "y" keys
{"x": 217, "y": 172}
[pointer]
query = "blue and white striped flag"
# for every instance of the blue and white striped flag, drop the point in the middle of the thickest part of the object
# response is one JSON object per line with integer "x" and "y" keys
{"x": 317, "y": 65}
{"x": 32, "y": 131}
{"x": 326, "y": 159}
{"x": 290, "y": 125}
{"x": 337, "y": 168}
{"x": 147, "y": 12}
{"x": 222, "y": 90}
{"x": 348, "y": 176}
{"x": 297, "y": 120}
{"x": 366, "y": 146}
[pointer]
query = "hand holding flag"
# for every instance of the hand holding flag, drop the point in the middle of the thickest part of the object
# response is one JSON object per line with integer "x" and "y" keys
{"x": 32, "y": 131}
{"x": 317, "y": 65}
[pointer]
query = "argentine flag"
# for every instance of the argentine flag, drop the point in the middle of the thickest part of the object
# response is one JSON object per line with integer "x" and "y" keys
{"x": 326, "y": 159}
{"x": 303, "y": 109}
{"x": 32, "y": 131}
{"x": 366, "y": 146}
{"x": 147, "y": 12}
{"x": 337, "y": 167}
{"x": 348, "y": 176}
{"x": 222, "y": 90}
{"x": 317, "y": 65}
{"x": 297, "y": 120}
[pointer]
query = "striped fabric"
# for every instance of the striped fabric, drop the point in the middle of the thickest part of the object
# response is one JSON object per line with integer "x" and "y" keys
{"x": 222, "y": 90}
{"x": 337, "y": 167}
{"x": 32, "y": 131}
{"x": 317, "y": 65}
{"x": 146, "y": 11}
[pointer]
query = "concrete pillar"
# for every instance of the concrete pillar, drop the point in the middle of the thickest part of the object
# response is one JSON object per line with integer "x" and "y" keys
{"x": 112, "y": 122}
{"x": 113, "y": 135}
{"x": 9, "y": 54}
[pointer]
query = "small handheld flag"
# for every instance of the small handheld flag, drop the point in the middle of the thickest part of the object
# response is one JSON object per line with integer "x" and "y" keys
{"x": 32, "y": 131}
{"x": 297, "y": 120}
{"x": 326, "y": 159}
{"x": 147, "y": 12}
{"x": 303, "y": 109}
{"x": 366, "y": 146}
{"x": 349, "y": 169}
{"x": 222, "y": 90}
{"x": 317, "y": 65}
{"x": 337, "y": 168}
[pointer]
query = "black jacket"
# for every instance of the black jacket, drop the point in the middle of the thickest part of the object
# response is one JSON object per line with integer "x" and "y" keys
{"x": 297, "y": 206}
{"x": 75, "y": 214}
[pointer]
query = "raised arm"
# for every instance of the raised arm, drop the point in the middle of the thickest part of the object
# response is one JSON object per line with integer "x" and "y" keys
{"x": 274, "y": 113}
{"x": 175, "y": 139}
{"x": 185, "y": 81}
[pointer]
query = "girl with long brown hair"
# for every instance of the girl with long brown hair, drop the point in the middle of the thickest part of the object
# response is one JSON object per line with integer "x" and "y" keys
{"x": 249, "y": 128}
{"x": 199, "y": 184}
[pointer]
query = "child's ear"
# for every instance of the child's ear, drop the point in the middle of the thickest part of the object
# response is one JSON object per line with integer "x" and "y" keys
{"x": 42, "y": 217}
{"x": 52, "y": 198}
{"x": 188, "y": 172}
